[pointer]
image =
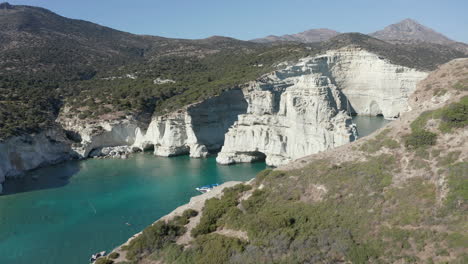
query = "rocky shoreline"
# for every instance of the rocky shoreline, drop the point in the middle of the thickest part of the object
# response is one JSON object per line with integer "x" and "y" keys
{"x": 300, "y": 110}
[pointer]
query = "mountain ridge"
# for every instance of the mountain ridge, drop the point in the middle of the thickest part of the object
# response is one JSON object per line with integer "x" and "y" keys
{"x": 411, "y": 30}
{"x": 308, "y": 36}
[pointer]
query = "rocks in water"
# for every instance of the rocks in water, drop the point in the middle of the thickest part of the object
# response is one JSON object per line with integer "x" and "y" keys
{"x": 121, "y": 152}
{"x": 198, "y": 151}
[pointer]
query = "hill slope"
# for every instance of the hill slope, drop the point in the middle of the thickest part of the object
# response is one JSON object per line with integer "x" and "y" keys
{"x": 409, "y": 30}
{"x": 308, "y": 36}
{"x": 398, "y": 196}
{"x": 48, "y": 61}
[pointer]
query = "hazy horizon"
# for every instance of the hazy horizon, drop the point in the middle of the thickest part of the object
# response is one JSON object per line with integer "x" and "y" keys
{"x": 246, "y": 20}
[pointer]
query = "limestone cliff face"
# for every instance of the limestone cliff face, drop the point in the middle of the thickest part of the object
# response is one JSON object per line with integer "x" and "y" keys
{"x": 194, "y": 130}
{"x": 303, "y": 109}
{"x": 292, "y": 113}
{"x": 284, "y": 115}
{"x": 97, "y": 135}
{"x": 22, "y": 153}
{"x": 372, "y": 84}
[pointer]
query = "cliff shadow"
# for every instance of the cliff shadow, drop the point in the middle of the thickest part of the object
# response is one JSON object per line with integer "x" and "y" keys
{"x": 212, "y": 118}
{"x": 49, "y": 177}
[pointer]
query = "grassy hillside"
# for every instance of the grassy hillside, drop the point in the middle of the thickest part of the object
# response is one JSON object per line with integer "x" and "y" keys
{"x": 398, "y": 196}
{"x": 48, "y": 61}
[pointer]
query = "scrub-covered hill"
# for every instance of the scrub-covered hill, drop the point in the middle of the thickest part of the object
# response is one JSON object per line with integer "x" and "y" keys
{"x": 397, "y": 196}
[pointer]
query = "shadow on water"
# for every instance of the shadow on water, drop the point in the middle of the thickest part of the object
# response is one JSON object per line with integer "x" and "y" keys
{"x": 42, "y": 178}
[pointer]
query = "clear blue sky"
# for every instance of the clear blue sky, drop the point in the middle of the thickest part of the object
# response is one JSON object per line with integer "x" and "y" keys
{"x": 247, "y": 19}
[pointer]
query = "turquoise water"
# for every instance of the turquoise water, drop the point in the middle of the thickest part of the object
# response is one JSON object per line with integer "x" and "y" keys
{"x": 368, "y": 124}
{"x": 64, "y": 213}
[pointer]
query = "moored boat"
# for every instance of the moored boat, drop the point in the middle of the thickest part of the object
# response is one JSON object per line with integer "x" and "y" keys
{"x": 206, "y": 188}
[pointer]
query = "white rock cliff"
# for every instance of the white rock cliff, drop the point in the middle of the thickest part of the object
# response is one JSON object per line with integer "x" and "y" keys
{"x": 22, "y": 153}
{"x": 284, "y": 115}
{"x": 302, "y": 109}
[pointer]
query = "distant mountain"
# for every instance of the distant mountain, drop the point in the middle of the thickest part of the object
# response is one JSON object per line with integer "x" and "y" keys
{"x": 47, "y": 60}
{"x": 409, "y": 30}
{"x": 309, "y": 36}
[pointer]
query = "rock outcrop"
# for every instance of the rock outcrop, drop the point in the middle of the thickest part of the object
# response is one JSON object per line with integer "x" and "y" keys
{"x": 97, "y": 135}
{"x": 304, "y": 108}
{"x": 371, "y": 83}
{"x": 284, "y": 115}
{"x": 196, "y": 129}
{"x": 22, "y": 153}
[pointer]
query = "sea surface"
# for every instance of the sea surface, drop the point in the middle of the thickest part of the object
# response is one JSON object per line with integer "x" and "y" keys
{"x": 368, "y": 124}
{"x": 64, "y": 213}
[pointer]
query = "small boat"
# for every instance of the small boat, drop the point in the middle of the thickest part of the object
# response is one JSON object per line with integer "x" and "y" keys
{"x": 94, "y": 257}
{"x": 206, "y": 188}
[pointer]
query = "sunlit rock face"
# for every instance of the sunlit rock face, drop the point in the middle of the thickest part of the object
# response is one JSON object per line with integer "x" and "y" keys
{"x": 287, "y": 114}
{"x": 304, "y": 108}
{"x": 196, "y": 129}
{"x": 373, "y": 85}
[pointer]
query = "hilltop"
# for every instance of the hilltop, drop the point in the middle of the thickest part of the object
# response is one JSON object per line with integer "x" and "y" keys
{"x": 308, "y": 36}
{"x": 49, "y": 63}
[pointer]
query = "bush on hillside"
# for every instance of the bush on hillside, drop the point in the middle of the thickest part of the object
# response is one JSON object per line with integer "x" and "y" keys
{"x": 420, "y": 138}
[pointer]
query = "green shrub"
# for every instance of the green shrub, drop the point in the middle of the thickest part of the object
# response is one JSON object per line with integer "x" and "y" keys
{"x": 104, "y": 260}
{"x": 153, "y": 238}
{"x": 114, "y": 255}
{"x": 189, "y": 213}
{"x": 455, "y": 115}
{"x": 183, "y": 219}
{"x": 420, "y": 138}
{"x": 262, "y": 175}
{"x": 215, "y": 208}
{"x": 213, "y": 249}
{"x": 457, "y": 182}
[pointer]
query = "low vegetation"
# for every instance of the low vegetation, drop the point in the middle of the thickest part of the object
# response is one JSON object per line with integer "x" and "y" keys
{"x": 355, "y": 211}
{"x": 157, "y": 236}
{"x": 380, "y": 141}
{"x": 102, "y": 73}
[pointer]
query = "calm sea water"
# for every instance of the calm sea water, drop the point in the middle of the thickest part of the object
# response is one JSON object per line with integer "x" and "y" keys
{"x": 368, "y": 124}
{"x": 65, "y": 213}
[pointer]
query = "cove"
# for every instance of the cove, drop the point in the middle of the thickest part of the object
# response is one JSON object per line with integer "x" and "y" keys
{"x": 365, "y": 125}
{"x": 64, "y": 213}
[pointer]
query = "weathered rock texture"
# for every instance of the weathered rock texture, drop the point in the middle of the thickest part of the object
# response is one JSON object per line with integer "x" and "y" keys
{"x": 302, "y": 109}
{"x": 22, "y": 153}
{"x": 195, "y": 130}
{"x": 93, "y": 136}
{"x": 290, "y": 113}
{"x": 372, "y": 84}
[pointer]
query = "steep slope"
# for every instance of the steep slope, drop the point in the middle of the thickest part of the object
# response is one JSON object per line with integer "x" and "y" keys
{"x": 303, "y": 109}
{"x": 308, "y": 36}
{"x": 398, "y": 196}
{"x": 409, "y": 30}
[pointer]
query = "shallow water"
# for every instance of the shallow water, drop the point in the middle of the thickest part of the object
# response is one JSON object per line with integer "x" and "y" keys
{"x": 64, "y": 213}
{"x": 368, "y": 124}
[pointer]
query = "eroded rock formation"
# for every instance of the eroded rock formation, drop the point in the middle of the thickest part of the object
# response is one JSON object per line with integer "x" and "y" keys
{"x": 284, "y": 115}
